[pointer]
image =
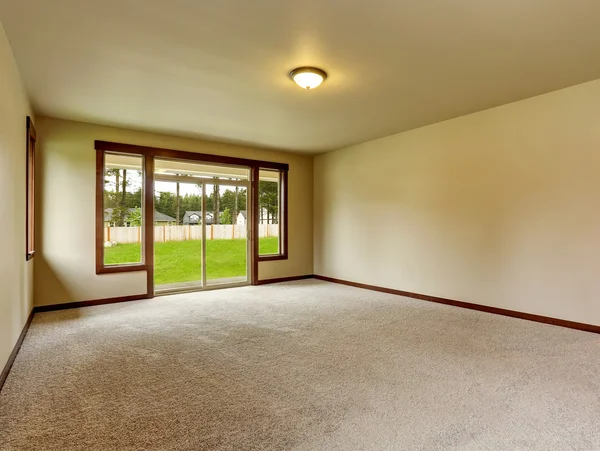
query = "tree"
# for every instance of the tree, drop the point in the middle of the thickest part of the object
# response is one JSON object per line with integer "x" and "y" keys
{"x": 117, "y": 174}
{"x": 226, "y": 217}
{"x": 165, "y": 203}
{"x": 236, "y": 210}
{"x": 124, "y": 190}
{"x": 119, "y": 214}
{"x": 135, "y": 217}
{"x": 234, "y": 200}
{"x": 216, "y": 199}
{"x": 190, "y": 202}
{"x": 268, "y": 200}
{"x": 210, "y": 205}
{"x": 132, "y": 200}
{"x": 118, "y": 193}
{"x": 177, "y": 207}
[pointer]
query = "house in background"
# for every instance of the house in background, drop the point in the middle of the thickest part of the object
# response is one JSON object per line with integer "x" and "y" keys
{"x": 159, "y": 218}
{"x": 163, "y": 219}
{"x": 262, "y": 219}
{"x": 194, "y": 217}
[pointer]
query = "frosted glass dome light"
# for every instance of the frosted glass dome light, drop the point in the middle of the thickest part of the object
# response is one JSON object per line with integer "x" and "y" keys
{"x": 308, "y": 77}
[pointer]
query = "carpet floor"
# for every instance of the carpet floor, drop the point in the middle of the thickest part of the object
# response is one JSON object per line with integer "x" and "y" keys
{"x": 299, "y": 366}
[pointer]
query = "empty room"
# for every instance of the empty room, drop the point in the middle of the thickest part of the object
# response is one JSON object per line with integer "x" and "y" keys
{"x": 269, "y": 225}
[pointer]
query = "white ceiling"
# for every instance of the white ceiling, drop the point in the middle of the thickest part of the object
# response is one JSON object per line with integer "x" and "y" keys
{"x": 218, "y": 69}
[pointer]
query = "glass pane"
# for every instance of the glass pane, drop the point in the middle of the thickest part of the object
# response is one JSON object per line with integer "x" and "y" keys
{"x": 177, "y": 235}
{"x": 30, "y": 196}
{"x": 123, "y": 209}
{"x": 226, "y": 233}
{"x": 179, "y": 244}
{"x": 269, "y": 213}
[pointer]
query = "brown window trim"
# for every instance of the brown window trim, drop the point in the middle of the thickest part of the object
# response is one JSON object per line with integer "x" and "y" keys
{"x": 99, "y": 211}
{"x": 101, "y": 267}
{"x": 30, "y": 191}
{"x": 270, "y": 258}
{"x": 148, "y": 249}
{"x": 121, "y": 268}
{"x": 185, "y": 155}
{"x": 283, "y": 220}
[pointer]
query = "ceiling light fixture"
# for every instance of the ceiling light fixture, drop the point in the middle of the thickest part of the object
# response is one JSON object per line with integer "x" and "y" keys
{"x": 308, "y": 77}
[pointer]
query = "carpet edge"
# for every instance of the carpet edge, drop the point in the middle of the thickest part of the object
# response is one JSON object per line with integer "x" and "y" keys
{"x": 469, "y": 305}
{"x": 16, "y": 348}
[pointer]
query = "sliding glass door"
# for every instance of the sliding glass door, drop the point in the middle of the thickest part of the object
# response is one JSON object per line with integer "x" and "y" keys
{"x": 227, "y": 244}
{"x": 177, "y": 234}
{"x": 200, "y": 226}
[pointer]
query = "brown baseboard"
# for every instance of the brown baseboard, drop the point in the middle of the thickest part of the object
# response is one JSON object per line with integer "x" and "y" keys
{"x": 469, "y": 305}
{"x": 69, "y": 305}
{"x": 284, "y": 279}
{"x": 15, "y": 351}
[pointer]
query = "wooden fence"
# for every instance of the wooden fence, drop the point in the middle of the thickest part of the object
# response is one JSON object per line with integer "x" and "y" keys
{"x": 163, "y": 233}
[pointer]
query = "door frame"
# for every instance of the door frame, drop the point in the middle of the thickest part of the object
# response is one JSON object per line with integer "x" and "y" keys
{"x": 204, "y": 285}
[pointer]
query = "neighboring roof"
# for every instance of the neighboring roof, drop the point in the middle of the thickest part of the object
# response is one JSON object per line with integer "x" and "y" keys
{"x": 161, "y": 217}
{"x": 158, "y": 216}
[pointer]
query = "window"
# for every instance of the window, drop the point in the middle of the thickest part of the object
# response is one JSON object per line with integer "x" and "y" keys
{"x": 122, "y": 204}
{"x": 271, "y": 214}
{"x": 30, "y": 190}
{"x": 130, "y": 218}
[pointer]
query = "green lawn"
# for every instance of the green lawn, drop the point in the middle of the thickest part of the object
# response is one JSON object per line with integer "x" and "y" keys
{"x": 180, "y": 261}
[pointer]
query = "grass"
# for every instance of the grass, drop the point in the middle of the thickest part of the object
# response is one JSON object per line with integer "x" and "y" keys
{"x": 268, "y": 246}
{"x": 180, "y": 261}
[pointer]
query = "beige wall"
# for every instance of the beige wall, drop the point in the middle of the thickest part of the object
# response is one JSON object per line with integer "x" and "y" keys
{"x": 500, "y": 208}
{"x": 65, "y": 269}
{"x": 16, "y": 293}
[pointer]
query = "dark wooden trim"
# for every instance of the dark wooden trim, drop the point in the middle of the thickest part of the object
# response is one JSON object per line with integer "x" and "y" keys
{"x": 254, "y": 172}
{"x": 99, "y": 211}
{"x": 31, "y": 133}
{"x": 283, "y": 221}
{"x": 79, "y": 304}
{"x": 149, "y": 224}
{"x": 30, "y": 190}
{"x": 285, "y": 279}
{"x": 471, "y": 306}
{"x": 122, "y": 268}
{"x": 101, "y": 268}
{"x": 283, "y": 232}
{"x": 186, "y": 155}
{"x": 270, "y": 258}
{"x": 150, "y": 153}
{"x": 15, "y": 351}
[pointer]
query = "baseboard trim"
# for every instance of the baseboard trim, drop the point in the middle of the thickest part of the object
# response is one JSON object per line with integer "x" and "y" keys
{"x": 15, "y": 351}
{"x": 78, "y": 304}
{"x": 482, "y": 308}
{"x": 285, "y": 279}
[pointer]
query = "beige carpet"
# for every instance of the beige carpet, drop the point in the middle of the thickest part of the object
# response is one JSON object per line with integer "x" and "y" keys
{"x": 300, "y": 366}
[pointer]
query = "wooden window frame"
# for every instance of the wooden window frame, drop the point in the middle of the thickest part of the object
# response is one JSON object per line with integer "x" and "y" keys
{"x": 282, "y": 220}
{"x": 30, "y": 191}
{"x": 101, "y": 267}
{"x": 150, "y": 153}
